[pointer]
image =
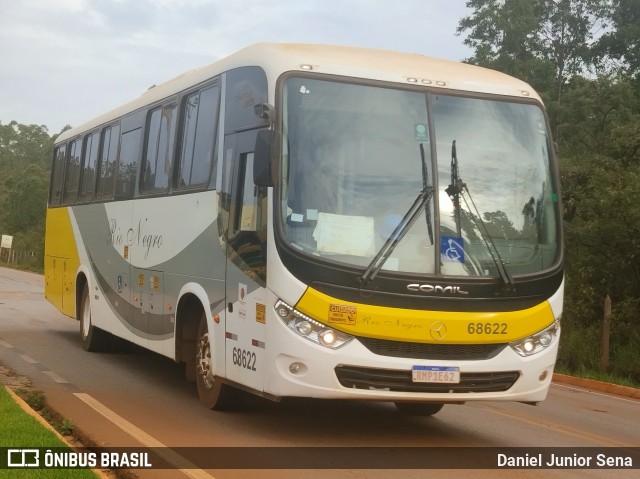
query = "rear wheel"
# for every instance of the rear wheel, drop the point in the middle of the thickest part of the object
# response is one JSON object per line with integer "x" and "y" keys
{"x": 419, "y": 408}
{"x": 93, "y": 339}
{"x": 212, "y": 392}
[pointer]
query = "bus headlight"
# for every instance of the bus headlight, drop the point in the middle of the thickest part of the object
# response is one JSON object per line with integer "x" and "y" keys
{"x": 310, "y": 329}
{"x": 537, "y": 342}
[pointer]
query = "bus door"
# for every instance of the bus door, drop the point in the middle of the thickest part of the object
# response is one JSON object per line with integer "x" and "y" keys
{"x": 246, "y": 265}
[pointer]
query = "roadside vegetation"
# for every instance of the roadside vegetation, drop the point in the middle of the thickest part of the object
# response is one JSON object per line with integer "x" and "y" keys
{"x": 19, "y": 429}
{"x": 25, "y": 151}
{"x": 583, "y": 57}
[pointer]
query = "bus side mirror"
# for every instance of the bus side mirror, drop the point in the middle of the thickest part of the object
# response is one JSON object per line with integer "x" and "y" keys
{"x": 264, "y": 158}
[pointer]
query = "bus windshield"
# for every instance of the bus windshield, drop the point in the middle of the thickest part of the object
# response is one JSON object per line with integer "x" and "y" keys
{"x": 356, "y": 156}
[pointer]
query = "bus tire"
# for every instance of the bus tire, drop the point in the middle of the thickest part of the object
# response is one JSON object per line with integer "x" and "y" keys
{"x": 419, "y": 408}
{"x": 93, "y": 339}
{"x": 213, "y": 393}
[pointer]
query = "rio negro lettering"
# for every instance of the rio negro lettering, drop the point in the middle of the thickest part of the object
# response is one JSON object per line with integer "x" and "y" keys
{"x": 134, "y": 237}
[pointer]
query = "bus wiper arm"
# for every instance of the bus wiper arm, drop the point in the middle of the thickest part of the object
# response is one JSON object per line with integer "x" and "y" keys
{"x": 456, "y": 190}
{"x": 410, "y": 217}
{"x": 425, "y": 185}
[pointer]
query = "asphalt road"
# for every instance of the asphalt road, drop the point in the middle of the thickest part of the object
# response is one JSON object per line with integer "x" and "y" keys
{"x": 134, "y": 398}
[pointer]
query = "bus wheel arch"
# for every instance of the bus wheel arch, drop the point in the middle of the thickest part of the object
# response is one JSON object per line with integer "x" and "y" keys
{"x": 194, "y": 346}
{"x": 188, "y": 315}
{"x": 81, "y": 284}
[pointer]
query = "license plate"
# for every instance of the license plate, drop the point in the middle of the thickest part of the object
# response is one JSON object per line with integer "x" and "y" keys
{"x": 436, "y": 374}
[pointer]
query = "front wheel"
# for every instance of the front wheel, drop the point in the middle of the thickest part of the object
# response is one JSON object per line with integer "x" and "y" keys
{"x": 93, "y": 339}
{"x": 419, "y": 408}
{"x": 212, "y": 392}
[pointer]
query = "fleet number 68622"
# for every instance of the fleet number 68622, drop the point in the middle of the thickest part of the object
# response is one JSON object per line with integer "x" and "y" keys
{"x": 487, "y": 328}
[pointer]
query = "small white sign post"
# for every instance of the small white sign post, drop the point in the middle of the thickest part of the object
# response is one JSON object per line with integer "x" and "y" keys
{"x": 6, "y": 243}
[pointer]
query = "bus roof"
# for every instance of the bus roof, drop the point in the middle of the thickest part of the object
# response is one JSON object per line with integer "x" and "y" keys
{"x": 383, "y": 65}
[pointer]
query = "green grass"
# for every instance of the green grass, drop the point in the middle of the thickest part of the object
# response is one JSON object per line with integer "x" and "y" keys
{"x": 37, "y": 402}
{"x": 602, "y": 376}
{"x": 579, "y": 355}
{"x": 19, "y": 429}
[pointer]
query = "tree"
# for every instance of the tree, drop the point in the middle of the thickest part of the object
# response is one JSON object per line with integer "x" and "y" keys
{"x": 544, "y": 42}
{"x": 25, "y": 152}
{"x": 622, "y": 42}
{"x": 568, "y": 30}
{"x": 597, "y": 115}
{"x": 563, "y": 49}
{"x": 21, "y": 145}
{"x": 601, "y": 181}
{"x": 503, "y": 37}
{"x": 25, "y": 205}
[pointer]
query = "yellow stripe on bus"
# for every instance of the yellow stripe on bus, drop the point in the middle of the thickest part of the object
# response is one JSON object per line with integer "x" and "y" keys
{"x": 424, "y": 326}
{"x": 61, "y": 261}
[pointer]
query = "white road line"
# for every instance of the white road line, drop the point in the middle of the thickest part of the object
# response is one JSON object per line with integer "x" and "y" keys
{"x": 185, "y": 466}
{"x": 55, "y": 377}
{"x": 6, "y": 344}
{"x": 28, "y": 359}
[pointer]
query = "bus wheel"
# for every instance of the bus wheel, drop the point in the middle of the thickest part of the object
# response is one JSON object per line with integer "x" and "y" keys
{"x": 213, "y": 393}
{"x": 419, "y": 408}
{"x": 93, "y": 339}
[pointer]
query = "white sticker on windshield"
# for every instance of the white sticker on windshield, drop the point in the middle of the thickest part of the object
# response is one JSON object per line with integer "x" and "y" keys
{"x": 312, "y": 215}
{"x": 343, "y": 234}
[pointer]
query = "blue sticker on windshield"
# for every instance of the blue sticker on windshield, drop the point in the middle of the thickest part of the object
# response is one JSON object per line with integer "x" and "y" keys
{"x": 452, "y": 249}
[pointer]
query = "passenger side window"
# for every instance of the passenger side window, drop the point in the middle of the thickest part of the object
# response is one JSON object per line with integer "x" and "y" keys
{"x": 128, "y": 164}
{"x": 108, "y": 162}
{"x": 72, "y": 172}
{"x": 55, "y": 196}
{"x": 198, "y": 138}
{"x": 159, "y": 150}
{"x": 90, "y": 160}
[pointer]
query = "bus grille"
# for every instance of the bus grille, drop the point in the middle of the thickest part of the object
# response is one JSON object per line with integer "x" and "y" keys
{"x": 458, "y": 352}
{"x": 400, "y": 381}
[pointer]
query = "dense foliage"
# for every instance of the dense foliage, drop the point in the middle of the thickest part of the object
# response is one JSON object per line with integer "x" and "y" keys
{"x": 25, "y": 152}
{"x": 582, "y": 56}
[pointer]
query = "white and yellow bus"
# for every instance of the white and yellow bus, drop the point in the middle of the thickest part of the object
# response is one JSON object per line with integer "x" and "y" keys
{"x": 319, "y": 221}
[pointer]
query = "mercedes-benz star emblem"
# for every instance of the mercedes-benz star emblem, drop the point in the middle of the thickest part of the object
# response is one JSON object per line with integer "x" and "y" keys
{"x": 438, "y": 331}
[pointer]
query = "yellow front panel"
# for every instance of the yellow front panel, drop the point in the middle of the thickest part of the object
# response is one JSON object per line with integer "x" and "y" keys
{"x": 61, "y": 261}
{"x": 424, "y": 326}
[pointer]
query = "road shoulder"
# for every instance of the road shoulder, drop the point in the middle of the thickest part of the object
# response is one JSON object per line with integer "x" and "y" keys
{"x": 599, "y": 386}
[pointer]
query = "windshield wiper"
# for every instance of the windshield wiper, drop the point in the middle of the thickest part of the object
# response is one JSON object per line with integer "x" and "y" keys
{"x": 457, "y": 190}
{"x": 425, "y": 185}
{"x": 410, "y": 217}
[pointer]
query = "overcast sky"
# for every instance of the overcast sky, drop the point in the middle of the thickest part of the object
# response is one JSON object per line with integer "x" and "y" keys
{"x": 66, "y": 61}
